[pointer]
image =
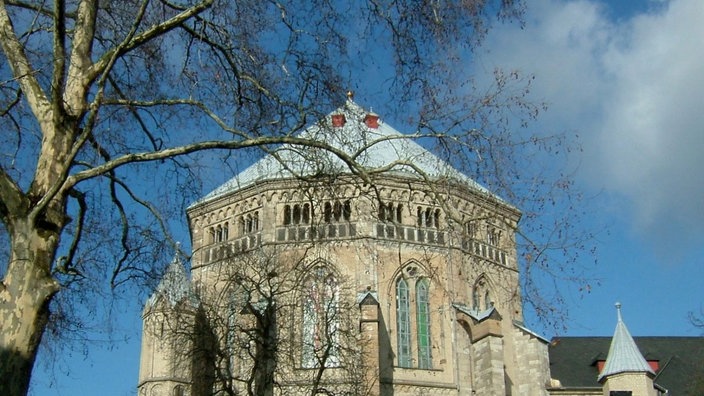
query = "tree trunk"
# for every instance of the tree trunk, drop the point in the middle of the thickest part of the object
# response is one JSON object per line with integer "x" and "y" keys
{"x": 25, "y": 293}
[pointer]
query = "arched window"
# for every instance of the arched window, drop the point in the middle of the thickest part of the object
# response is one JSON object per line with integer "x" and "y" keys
{"x": 320, "y": 343}
{"x": 287, "y": 215}
{"x": 337, "y": 210}
{"x": 399, "y": 214}
{"x": 178, "y": 390}
{"x": 481, "y": 294}
{"x": 475, "y": 298}
{"x": 296, "y": 214}
{"x": 493, "y": 236}
{"x": 382, "y": 212}
{"x": 423, "y": 324}
{"x": 218, "y": 234}
{"x": 306, "y": 213}
{"x": 327, "y": 212}
{"x": 226, "y": 232}
{"x": 347, "y": 210}
{"x": 403, "y": 325}
{"x": 248, "y": 227}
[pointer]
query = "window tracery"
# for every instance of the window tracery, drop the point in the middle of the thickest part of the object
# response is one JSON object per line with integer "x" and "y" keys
{"x": 321, "y": 322}
{"x": 412, "y": 286}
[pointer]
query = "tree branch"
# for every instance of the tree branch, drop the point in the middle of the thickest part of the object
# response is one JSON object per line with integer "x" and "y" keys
{"x": 78, "y": 73}
{"x": 132, "y": 42}
{"x": 22, "y": 70}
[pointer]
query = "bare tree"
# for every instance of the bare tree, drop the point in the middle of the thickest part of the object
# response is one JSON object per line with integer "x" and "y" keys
{"x": 96, "y": 98}
{"x": 245, "y": 336}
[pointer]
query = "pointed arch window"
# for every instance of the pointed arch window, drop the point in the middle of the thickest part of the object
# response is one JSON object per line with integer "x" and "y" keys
{"x": 423, "y": 323}
{"x": 481, "y": 294}
{"x": 321, "y": 322}
{"x": 403, "y": 325}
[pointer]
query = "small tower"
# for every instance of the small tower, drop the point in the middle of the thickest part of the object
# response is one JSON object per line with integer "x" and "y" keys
{"x": 168, "y": 321}
{"x": 626, "y": 372}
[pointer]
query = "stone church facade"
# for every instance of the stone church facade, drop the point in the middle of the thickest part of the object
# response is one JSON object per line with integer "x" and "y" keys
{"x": 308, "y": 279}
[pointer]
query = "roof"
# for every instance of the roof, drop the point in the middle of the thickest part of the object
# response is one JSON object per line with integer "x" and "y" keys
{"x": 573, "y": 361}
{"x": 373, "y": 148}
{"x": 174, "y": 287}
{"x": 624, "y": 356}
{"x": 475, "y": 314}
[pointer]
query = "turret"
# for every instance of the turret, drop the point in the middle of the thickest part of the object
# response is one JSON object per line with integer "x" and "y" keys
{"x": 626, "y": 372}
{"x": 169, "y": 318}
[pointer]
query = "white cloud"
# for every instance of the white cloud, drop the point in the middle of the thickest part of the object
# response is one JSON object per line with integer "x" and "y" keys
{"x": 632, "y": 86}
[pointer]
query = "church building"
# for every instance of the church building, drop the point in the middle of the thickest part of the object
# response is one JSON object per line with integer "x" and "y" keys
{"x": 378, "y": 270}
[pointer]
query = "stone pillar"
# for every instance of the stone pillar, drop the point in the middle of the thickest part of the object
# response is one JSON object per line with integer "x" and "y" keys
{"x": 489, "y": 366}
{"x": 369, "y": 329}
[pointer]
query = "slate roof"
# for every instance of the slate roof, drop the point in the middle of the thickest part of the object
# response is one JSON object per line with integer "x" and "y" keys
{"x": 573, "y": 361}
{"x": 373, "y": 148}
{"x": 475, "y": 314}
{"x": 624, "y": 356}
{"x": 174, "y": 287}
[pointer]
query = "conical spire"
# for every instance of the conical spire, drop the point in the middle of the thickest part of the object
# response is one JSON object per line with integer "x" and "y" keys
{"x": 174, "y": 286}
{"x": 624, "y": 355}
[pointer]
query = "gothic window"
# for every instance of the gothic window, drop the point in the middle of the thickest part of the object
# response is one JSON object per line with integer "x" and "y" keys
{"x": 423, "y": 323}
{"x": 475, "y": 298}
{"x": 320, "y": 338}
{"x": 493, "y": 236}
{"x": 403, "y": 324}
{"x": 178, "y": 390}
{"x": 481, "y": 294}
{"x": 413, "y": 321}
{"x": 226, "y": 231}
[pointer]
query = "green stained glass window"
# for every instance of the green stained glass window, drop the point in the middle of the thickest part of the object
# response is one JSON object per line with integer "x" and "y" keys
{"x": 423, "y": 324}
{"x": 403, "y": 324}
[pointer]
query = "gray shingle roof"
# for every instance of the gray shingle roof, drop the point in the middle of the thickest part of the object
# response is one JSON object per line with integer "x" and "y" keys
{"x": 373, "y": 148}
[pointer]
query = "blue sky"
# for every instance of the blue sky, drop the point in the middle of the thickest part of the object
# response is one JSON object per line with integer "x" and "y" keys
{"x": 627, "y": 77}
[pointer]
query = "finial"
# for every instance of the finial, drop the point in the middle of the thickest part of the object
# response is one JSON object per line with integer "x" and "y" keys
{"x": 350, "y": 95}
{"x": 618, "y": 311}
